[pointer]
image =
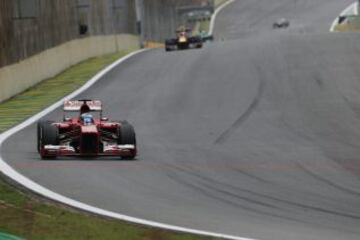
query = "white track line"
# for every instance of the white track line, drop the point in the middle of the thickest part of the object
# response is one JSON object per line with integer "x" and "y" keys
{"x": 37, "y": 188}
{"x": 353, "y": 6}
{"x": 213, "y": 17}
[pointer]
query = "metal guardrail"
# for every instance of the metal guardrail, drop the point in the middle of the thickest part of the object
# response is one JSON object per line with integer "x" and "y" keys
{"x": 186, "y": 9}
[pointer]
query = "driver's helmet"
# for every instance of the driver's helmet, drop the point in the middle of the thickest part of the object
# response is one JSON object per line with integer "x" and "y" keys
{"x": 87, "y": 118}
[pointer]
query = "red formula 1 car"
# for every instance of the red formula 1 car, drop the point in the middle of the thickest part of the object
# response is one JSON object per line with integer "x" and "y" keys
{"x": 84, "y": 135}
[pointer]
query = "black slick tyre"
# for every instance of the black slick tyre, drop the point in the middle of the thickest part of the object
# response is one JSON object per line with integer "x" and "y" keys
{"x": 127, "y": 136}
{"x": 169, "y": 45}
{"x": 49, "y": 135}
{"x": 40, "y": 125}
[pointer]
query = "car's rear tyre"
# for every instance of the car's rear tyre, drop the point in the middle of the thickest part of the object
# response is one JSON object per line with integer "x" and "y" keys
{"x": 127, "y": 136}
{"x": 196, "y": 41}
{"x": 48, "y": 135}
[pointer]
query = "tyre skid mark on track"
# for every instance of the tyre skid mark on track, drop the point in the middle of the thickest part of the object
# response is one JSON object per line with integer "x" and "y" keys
{"x": 217, "y": 186}
{"x": 306, "y": 137}
{"x": 227, "y": 133}
{"x": 205, "y": 181}
{"x": 211, "y": 183}
{"x": 328, "y": 182}
{"x": 235, "y": 204}
{"x": 354, "y": 108}
{"x": 215, "y": 196}
{"x": 249, "y": 175}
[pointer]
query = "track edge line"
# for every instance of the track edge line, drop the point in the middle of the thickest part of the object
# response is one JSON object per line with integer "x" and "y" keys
{"x": 217, "y": 11}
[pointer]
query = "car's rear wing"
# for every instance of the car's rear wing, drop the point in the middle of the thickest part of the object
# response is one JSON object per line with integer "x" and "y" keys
{"x": 78, "y": 105}
{"x": 181, "y": 29}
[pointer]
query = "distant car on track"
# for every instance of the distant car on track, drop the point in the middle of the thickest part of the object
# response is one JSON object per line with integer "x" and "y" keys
{"x": 281, "y": 23}
{"x": 183, "y": 40}
{"x": 84, "y": 135}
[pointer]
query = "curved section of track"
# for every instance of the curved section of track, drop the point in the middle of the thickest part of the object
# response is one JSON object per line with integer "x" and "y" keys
{"x": 257, "y": 136}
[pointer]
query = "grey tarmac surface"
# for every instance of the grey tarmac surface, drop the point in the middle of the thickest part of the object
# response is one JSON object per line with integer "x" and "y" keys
{"x": 257, "y": 136}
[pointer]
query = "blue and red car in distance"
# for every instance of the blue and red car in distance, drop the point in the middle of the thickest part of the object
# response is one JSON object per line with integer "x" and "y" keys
{"x": 183, "y": 40}
{"x": 85, "y": 135}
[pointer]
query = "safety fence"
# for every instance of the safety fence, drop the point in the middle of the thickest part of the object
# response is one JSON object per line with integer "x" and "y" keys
{"x": 28, "y": 27}
{"x": 40, "y": 38}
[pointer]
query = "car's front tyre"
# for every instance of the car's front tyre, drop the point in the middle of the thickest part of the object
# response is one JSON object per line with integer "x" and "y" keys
{"x": 48, "y": 134}
{"x": 40, "y": 125}
{"x": 127, "y": 136}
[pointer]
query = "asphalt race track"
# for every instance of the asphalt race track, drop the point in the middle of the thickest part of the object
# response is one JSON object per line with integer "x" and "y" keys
{"x": 256, "y": 136}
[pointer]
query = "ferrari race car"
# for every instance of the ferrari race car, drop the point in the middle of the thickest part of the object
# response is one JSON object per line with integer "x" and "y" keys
{"x": 84, "y": 135}
{"x": 281, "y": 23}
{"x": 183, "y": 41}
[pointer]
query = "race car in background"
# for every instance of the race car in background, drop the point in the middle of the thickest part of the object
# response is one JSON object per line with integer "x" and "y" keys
{"x": 183, "y": 40}
{"x": 84, "y": 135}
{"x": 281, "y": 23}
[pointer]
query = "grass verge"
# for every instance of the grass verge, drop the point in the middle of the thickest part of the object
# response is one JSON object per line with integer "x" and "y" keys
{"x": 351, "y": 24}
{"x": 347, "y": 27}
{"x": 27, "y": 216}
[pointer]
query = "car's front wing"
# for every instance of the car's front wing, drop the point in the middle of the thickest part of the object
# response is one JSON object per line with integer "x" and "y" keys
{"x": 110, "y": 150}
